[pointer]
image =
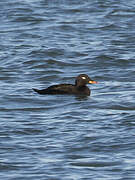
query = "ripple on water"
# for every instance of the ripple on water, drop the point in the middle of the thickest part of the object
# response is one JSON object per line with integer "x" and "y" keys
{"x": 70, "y": 137}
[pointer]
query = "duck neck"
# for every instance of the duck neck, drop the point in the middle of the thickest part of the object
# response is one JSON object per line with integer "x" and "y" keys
{"x": 79, "y": 84}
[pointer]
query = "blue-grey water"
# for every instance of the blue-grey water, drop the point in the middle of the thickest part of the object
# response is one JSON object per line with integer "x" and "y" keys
{"x": 61, "y": 137}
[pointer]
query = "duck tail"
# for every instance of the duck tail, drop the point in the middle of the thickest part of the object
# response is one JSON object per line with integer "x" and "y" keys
{"x": 43, "y": 91}
{"x": 36, "y": 90}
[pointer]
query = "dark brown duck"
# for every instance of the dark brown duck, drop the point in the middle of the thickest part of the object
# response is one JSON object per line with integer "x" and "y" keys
{"x": 79, "y": 88}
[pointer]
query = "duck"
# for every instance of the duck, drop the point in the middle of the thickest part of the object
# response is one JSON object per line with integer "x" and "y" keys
{"x": 79, "y": 88}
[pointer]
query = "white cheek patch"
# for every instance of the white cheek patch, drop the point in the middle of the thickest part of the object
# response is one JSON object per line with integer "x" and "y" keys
{"x": 83, "y": 77}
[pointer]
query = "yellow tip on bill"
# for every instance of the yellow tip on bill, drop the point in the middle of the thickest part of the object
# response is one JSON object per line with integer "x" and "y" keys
{"x": 93, "y": 82}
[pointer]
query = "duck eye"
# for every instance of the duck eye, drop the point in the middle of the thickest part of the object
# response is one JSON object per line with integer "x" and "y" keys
{"x": 83, "y": 77}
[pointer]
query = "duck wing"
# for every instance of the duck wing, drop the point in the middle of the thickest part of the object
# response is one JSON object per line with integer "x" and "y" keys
{"x": 57, "y": 89}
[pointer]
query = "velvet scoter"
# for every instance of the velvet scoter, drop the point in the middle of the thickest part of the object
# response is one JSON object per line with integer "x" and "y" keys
{"x": 79, "y": 88}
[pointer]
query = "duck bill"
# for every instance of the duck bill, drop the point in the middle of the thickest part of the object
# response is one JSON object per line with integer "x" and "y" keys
{"x": 92, "y": 82}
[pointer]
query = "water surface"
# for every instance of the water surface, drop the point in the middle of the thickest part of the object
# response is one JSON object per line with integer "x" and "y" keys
{"x": 67, "y": 137}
